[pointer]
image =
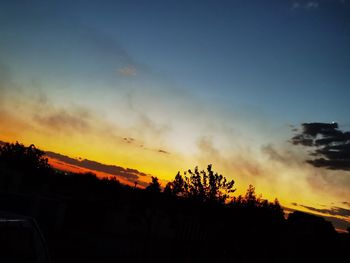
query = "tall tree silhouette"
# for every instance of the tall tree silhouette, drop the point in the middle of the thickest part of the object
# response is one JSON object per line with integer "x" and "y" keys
{"x": 154, "y": 185}
{"x": 205, "y": 186}
{"x": 176, "y": 187}
{"x": 250, "y": 196}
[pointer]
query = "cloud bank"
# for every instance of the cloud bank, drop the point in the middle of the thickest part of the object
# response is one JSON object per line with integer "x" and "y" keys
{"x": 131, "y": 175}
{"x": 330, "y": 146}
{"x": 334, "y": 211}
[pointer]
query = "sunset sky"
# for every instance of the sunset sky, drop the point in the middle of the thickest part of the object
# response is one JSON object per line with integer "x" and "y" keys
{"x": 163, "y": 86}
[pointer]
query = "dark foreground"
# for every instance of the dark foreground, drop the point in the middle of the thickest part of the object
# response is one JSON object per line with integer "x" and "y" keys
{"x": 80, "y": 218}
{"x": 92, "y": 222}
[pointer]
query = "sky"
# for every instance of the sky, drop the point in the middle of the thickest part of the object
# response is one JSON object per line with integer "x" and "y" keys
{"x": 164, "y": 86}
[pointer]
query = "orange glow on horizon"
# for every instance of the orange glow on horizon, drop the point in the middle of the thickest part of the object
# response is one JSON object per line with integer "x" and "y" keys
{"x": 76, "y": 169}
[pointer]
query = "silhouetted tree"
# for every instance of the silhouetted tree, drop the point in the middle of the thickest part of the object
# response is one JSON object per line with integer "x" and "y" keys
{"x": 20, "y": 157}
{"x": 252, "y": 201}
{"x": 205, "y": 186}
{"x": 154, "y": 185}
{"x": 276, "y": 207}
{"x": 176, "y": 187}
{"x": 250, "y": 197}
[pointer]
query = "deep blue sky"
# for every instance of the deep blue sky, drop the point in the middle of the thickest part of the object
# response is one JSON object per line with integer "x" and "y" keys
{"x": 289, "y": 59}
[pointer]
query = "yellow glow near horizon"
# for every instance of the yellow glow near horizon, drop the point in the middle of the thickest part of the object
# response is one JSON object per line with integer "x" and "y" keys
{"x": 287, "y": 183}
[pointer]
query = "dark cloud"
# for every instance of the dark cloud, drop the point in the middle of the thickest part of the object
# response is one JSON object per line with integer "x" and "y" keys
{"x": 331, "y": 146}
{"x": 162, "y": 151}
{"x": 131, "y": 140}
{"x": 129, "y": 174}
{"x": 346, "y": 203}
{"x": 333, "y": 211}
{"x": 128, "y": 139}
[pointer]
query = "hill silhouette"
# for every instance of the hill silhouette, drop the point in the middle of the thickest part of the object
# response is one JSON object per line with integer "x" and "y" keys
{"x": 195, "y": 219}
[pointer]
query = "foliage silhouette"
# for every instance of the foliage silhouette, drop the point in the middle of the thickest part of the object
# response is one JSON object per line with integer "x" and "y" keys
{"x": 154, "y": 185}
{"x": 17, "y": 156}
{"x": 203, "y": 186}
{"x": 250, "y": 200}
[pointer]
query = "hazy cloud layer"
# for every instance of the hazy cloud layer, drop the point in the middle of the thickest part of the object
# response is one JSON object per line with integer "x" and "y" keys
{"x": 288, "y": 163}
{"x": 62, "y": 119}
{"x": 241, "y": 165}
{"x": 281, "y": 154}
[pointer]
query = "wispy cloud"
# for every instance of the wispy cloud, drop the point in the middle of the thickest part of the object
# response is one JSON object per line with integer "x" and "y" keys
{"x": 306, "y": 5}
{"x": 162, "y": 151}
{"x": 61, "y": 119}
{"x": 240, "y": 166}
{"x": 281, "y": 155}
{"x": 127, "y": 71}
{"x": 311, "y": 5}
